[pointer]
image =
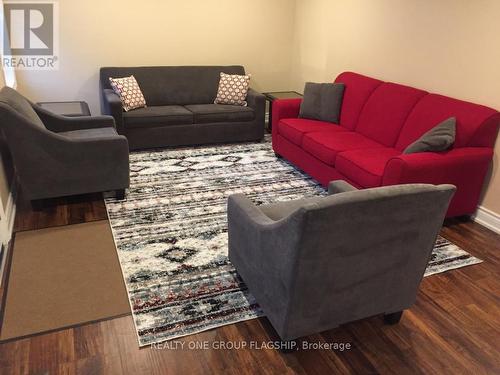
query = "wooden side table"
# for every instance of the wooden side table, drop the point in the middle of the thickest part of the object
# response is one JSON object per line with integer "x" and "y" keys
{"x": 272, "y": 96}
{"x": 68, "y": 109}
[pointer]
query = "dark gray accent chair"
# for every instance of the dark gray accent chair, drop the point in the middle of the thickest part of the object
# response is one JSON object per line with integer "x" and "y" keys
{"x": 316, "y": 263}
{"x": 180, "y": 107}
{"x": 58, "y": 156}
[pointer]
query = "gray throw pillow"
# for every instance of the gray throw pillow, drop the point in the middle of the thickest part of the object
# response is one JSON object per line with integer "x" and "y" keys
{"x": 439, "y": 138}
{"x": 322, "y": 101}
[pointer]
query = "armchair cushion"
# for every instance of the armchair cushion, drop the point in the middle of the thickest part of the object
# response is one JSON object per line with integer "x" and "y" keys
{"x": 294, "y": 129}
{"x": 19, "y": 104}
{"x": 207, "y": 113}
{"x": 157, "y": 116}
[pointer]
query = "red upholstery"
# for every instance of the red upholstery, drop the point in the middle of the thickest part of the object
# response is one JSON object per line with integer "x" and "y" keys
{"x": 465, "y": 168}
{"x": 285, "y": 108}
{"x": 471, "y": 121}
{"x": 322, "y": 172}
{"x": 378, "y": 120}
{"x": 358, "y": 89}
{"x": 385, "y": 112}
{"x": 294, "y": 129}
{"x": 326, "y": 145}
{"x": 365, "y": 166}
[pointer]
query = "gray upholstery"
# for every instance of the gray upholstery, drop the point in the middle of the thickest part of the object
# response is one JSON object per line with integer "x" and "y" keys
{"x": 157, "y": 116}
{"x": 58, "y": 156}
{"x": 326, "y": 261}
{"x": 322, "y": 101}
{"x": 439, "y": 138}
{"x": 206, "y": 113}
{"x": 192, "y": 88}
{"x": 173, "y": 85}
{"x": 82, "y": 134}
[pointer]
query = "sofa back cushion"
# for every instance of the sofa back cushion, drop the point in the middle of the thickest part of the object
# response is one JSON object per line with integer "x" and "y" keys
{"x": 476, "y": 125}
{"x": 173, "y": 85}
{"x": 386, "y": 111}
{"x": 358, "y": 89}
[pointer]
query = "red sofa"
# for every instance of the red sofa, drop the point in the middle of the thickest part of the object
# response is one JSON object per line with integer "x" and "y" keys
{"x": 378, "y": 120}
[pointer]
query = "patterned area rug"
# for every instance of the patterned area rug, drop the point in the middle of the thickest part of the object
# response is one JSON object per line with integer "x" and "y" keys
{"x": 171, "y": 234}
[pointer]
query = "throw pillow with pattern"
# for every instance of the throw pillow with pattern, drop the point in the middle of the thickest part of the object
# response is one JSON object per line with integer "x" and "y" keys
{"x": 129, "y": 92}
{"x": 233, "y": 89}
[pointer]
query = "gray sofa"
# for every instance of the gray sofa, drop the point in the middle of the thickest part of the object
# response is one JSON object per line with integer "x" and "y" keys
{"x": 58, "y": 156}
{"x": 180, "y": 107}
{"x": 313, "y": 264}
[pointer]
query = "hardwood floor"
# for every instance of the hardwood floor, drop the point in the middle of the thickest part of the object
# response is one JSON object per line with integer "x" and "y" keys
{"x": 454, "y": 327}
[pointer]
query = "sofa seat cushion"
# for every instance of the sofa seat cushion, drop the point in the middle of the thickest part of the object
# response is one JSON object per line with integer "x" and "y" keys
{"x": 366, "y": 166}
{"x": 96, "y": 133}
{"x": 206, "y": 113}
{"x": 326, "y": 145}
{"x": 294, "y": 129}
{"x": 157, "y": 116}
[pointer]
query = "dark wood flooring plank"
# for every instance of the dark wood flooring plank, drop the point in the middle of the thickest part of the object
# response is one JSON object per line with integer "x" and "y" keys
{"x": 454, "y": 327}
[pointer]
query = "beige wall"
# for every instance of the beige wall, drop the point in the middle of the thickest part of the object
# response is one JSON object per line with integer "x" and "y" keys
{"x": 446, "y": 46}
{"x": 254, "y": 33}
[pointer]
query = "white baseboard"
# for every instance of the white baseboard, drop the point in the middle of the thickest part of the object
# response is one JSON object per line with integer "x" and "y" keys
{"x": 488, "y": 219}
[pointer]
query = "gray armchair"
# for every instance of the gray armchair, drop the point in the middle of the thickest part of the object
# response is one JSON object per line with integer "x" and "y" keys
{"x": 313, "y": 264}
{"x": 58, "y": 156}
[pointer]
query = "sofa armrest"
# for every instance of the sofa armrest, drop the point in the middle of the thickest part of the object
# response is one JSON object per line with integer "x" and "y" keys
{"x": 285, "y": 108}
{"x": 263, "y": 251}
{"x": 57, "y": 123}
{"x": 340, "y": 186}
{"x": 112, "y": 106}
{"x": 257, "y": 102}
{"x": 434, "y": 167}
{"x": 465, "y": 168}
{"x": 242, "y": 209}
{"x": 255, "y": 99}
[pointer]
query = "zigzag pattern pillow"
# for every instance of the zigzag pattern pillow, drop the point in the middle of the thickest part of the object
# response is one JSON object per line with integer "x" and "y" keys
{"x": 233, "y": 89}
{"x": 129, "y": 92}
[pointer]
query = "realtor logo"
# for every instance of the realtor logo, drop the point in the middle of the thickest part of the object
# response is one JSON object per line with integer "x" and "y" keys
{"x": 30, "y": 34}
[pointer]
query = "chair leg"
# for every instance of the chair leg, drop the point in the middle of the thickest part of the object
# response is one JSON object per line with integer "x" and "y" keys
{"x": 120, "y": 194}
{"x": 37, "y": 205}
{"x": 393, "y": 318}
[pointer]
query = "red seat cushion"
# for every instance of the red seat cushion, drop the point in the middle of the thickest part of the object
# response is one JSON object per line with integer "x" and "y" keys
{"x": 366, "y": 166}
{"x": 293, "y": 129}
{"x": 326, "y": 145}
